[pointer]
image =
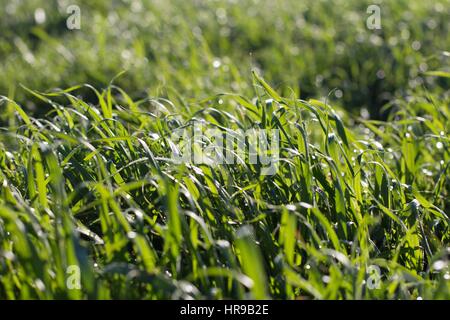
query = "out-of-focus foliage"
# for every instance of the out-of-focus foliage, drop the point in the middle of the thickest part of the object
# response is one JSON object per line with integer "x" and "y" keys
{"x": 201, "y": 47}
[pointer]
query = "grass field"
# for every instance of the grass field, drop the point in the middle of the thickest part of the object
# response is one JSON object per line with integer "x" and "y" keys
{"x": 94, "y": 204}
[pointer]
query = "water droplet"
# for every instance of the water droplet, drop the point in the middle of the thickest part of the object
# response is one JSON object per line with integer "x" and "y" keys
{"x": 416, "y": 45}
{"x": 380, "y": 74}
{"x": 217, "y": 63}
{"x": 39, "y": 16}
{"x": 439, "y": 265}
{"x": 291, "y": 207}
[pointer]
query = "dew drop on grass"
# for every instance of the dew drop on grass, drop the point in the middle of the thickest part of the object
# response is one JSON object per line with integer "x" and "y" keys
{"x": 39, "y": 285}
{"x": 216, "y": 63}
{"x": 365, "y": 113}
{"x": 223, "y": 243}
{"x": 8, "y": 255}
{"x": 432, "y": 24}
{"x": 380, "y": 74}
{"x": 187, "y": 287}
{"x": 439, "y": 265}
{"x": 378, "y": 145}
{"x": 416, "y": 45}
{"x": 126, "y": 54}
{"x": 136, "y": 6}
{"x": 39, "y": 16}
{"x": 154, "y": 136}
{"x": 423, "y": 67}
{"x": 291, "y": 207}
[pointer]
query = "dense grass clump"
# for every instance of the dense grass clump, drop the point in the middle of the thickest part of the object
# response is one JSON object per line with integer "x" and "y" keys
{"x": 94, "y": 186}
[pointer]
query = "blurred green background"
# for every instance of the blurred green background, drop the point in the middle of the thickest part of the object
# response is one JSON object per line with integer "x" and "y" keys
{"x": 194, "y": 49}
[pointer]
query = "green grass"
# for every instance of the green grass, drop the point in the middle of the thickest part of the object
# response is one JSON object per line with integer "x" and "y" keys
{"x": 87, "y": 178}
{"x": 93, "y": 186}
